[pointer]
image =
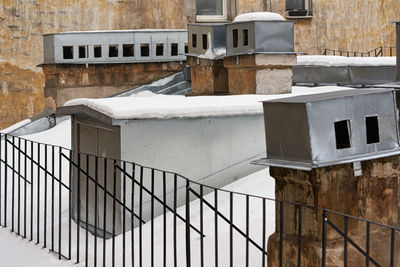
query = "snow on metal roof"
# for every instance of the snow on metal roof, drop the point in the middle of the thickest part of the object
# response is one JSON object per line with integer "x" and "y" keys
{"x": 345, "y": 61}
{"x": 259, "y": 16}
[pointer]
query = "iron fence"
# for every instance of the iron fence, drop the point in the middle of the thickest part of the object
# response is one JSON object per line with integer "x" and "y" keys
{"x": 382, "y": 51}
{"x": 106, "y": 212}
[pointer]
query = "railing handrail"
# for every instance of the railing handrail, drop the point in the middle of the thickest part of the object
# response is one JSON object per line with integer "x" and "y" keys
{"x": 371, "y": 53}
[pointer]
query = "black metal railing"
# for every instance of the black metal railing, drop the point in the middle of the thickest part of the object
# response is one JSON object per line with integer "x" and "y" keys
{"x": 107, "y": 212}
{"x": 382, "y": 51}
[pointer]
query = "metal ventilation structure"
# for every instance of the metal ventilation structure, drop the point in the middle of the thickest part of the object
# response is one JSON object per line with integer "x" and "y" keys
{"x": 123, "y": 46}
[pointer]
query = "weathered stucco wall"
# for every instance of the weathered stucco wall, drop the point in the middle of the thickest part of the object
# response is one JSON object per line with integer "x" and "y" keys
{"x": 352, "y": 24}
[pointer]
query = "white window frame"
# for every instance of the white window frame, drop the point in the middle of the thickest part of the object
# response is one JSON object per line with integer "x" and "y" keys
{"x": 208, "y": 18}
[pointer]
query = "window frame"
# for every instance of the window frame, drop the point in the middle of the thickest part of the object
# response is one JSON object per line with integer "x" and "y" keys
{"x": 208, "y": 18}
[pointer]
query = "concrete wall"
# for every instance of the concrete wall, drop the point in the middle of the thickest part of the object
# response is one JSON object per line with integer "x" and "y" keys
{"x": 353, "y": 24}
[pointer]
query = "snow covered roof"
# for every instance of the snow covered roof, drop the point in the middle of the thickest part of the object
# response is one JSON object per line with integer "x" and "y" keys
{"x": 119, "y": 31}
{"x": 142, "y": 106}
{"x": 259, "y": 16}
{"x": 345, "y": 61}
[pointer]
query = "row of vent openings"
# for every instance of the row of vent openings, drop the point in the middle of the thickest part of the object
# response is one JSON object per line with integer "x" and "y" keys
{"x": 127, "y": 50}
{"x": 343, "y": 135}
{"x": 235, "y": 39}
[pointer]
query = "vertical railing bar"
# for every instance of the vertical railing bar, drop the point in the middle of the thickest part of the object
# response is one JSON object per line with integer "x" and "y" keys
{"x": 175, "y": 210}
{"x": 281, "y": 233}
{"x": 367, "y": 245}
{"x": 299, "y": 237}
{"x": 19, "y": 189}
{"x": 140, "y": 217}
{"x": 324, "y": 219}
{"x": 392, "y": 244}
{"x": 13, "y": 185}
{"x": 78, "y": 181}
{"x": 25, "y": 183}
{"x": 45, "y": 197}
{"x": 164, "y": 221}
{"x": 96, "y": 208}
{"x": 123, "y": 214}
{"x": 346, "y": 221}
{"x": 187, "y": 230}
{"x": 231, "y": 229}
{"x": 70, "y": 206}
{"x": 263, "y": 231}
{"x": 201, "y": 227}
{"x": 87, "y": 211}
{"x": 132, "y": 216}
{"x": 5, "y": 178}
{"x": 59, "y": 201}
{"x": 104, "y": 212}
{"x": 152, "y": 221}
{"x": 32, "y": 191}
{"x": 52, "y": 198}
{"x": 38, "y": 195}
{"x": 114, "y": 215}
{"x": 216, "y": 225}
{"x": 1, "y": 155}
{"x": 247, "y": 229}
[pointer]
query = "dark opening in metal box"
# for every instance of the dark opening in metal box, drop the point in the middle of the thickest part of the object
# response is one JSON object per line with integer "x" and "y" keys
{"x": 260, "y": 37}
{"x": 318, "y": 130}
{"x": 201, "y": 35}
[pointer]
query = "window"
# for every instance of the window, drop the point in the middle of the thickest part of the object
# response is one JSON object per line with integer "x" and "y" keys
{"x": 144, "y": 50}
{"x": 159, "y": 50}
{"x": 342, "y": 134}
{"x": 214, "y": 10}
{"x": 174, "y": 49}
{"x": 97, "y": 50}
{"x": 204, "y": 39}
{"x": 235, "y": 38}
{"x": 194, "y": 40}
{"x": 128, "y": 50}
{"x": 245, "y": 37}
{"x": 372, "y": 128}
{"x": 83, "y": 51}
{"x": 113, "y": 51}
{"x": 68, "y": 52}
{"x": 299, "y": 8}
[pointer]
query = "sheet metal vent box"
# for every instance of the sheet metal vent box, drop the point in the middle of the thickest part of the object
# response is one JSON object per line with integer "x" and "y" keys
{"x": 202, "y": 35}
{"x": 249, "y": 37}
{"x": 318, "y": 130}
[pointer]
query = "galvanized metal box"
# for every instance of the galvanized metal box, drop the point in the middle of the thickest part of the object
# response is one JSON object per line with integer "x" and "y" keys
{"x": 260, "y": 37}
{"x": 325, "y": 129}
{"x": 202, "y": 35}
{"x": 120, "y": 46}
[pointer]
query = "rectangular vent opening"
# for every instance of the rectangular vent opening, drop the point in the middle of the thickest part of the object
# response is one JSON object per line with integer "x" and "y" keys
{"x": 68, "y": 52}
{"x": 204, "y": 37}
{"x": 128, "y": 50}
{"x": 144, "y": 50}
{"x": 235, "y": 39}
{"x": 186, "y": 49}
{"x": 113, "y": 51}
{"x": 245, "y": 37}
{"x": 372, "y": 127}
{"x": 174, "y": 49}
{"x": 83, "y": 51}
{"x": 194, "y": 40}
{"x": 97, "y": 50}
{"x": 159, "y": 50}
{"x": 342, "y": 134}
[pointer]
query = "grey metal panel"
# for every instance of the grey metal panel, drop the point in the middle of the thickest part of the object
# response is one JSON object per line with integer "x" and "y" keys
{"x": 287, "y": 138}
{"x": 107, "y": 38}
{"x": 295, "y": 5}
{"x": 371, "y": 74}
{"x": 241, "y": 48}
{"x": 320, "y": 74}
{"x": 217, "y": 32}
{"x": 285, "y": 122}
{"x": 48, "y": 49}
{"x": 398, "y": 49}
{"x": 274, "y": 36}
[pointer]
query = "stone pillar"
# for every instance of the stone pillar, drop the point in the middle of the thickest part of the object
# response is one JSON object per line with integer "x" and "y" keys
{"x": 260, "y": 73}
{"x": 373, "y": 196}
{"x": 209, "y": 77}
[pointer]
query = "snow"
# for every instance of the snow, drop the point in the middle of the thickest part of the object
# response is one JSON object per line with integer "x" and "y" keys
{"x": 15, "y": 126}
{"x": 259, "y": 16}
{"x": 163, "y": 81}
{"x": 345, "y": 61}
{"x": 187, "y": 107}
